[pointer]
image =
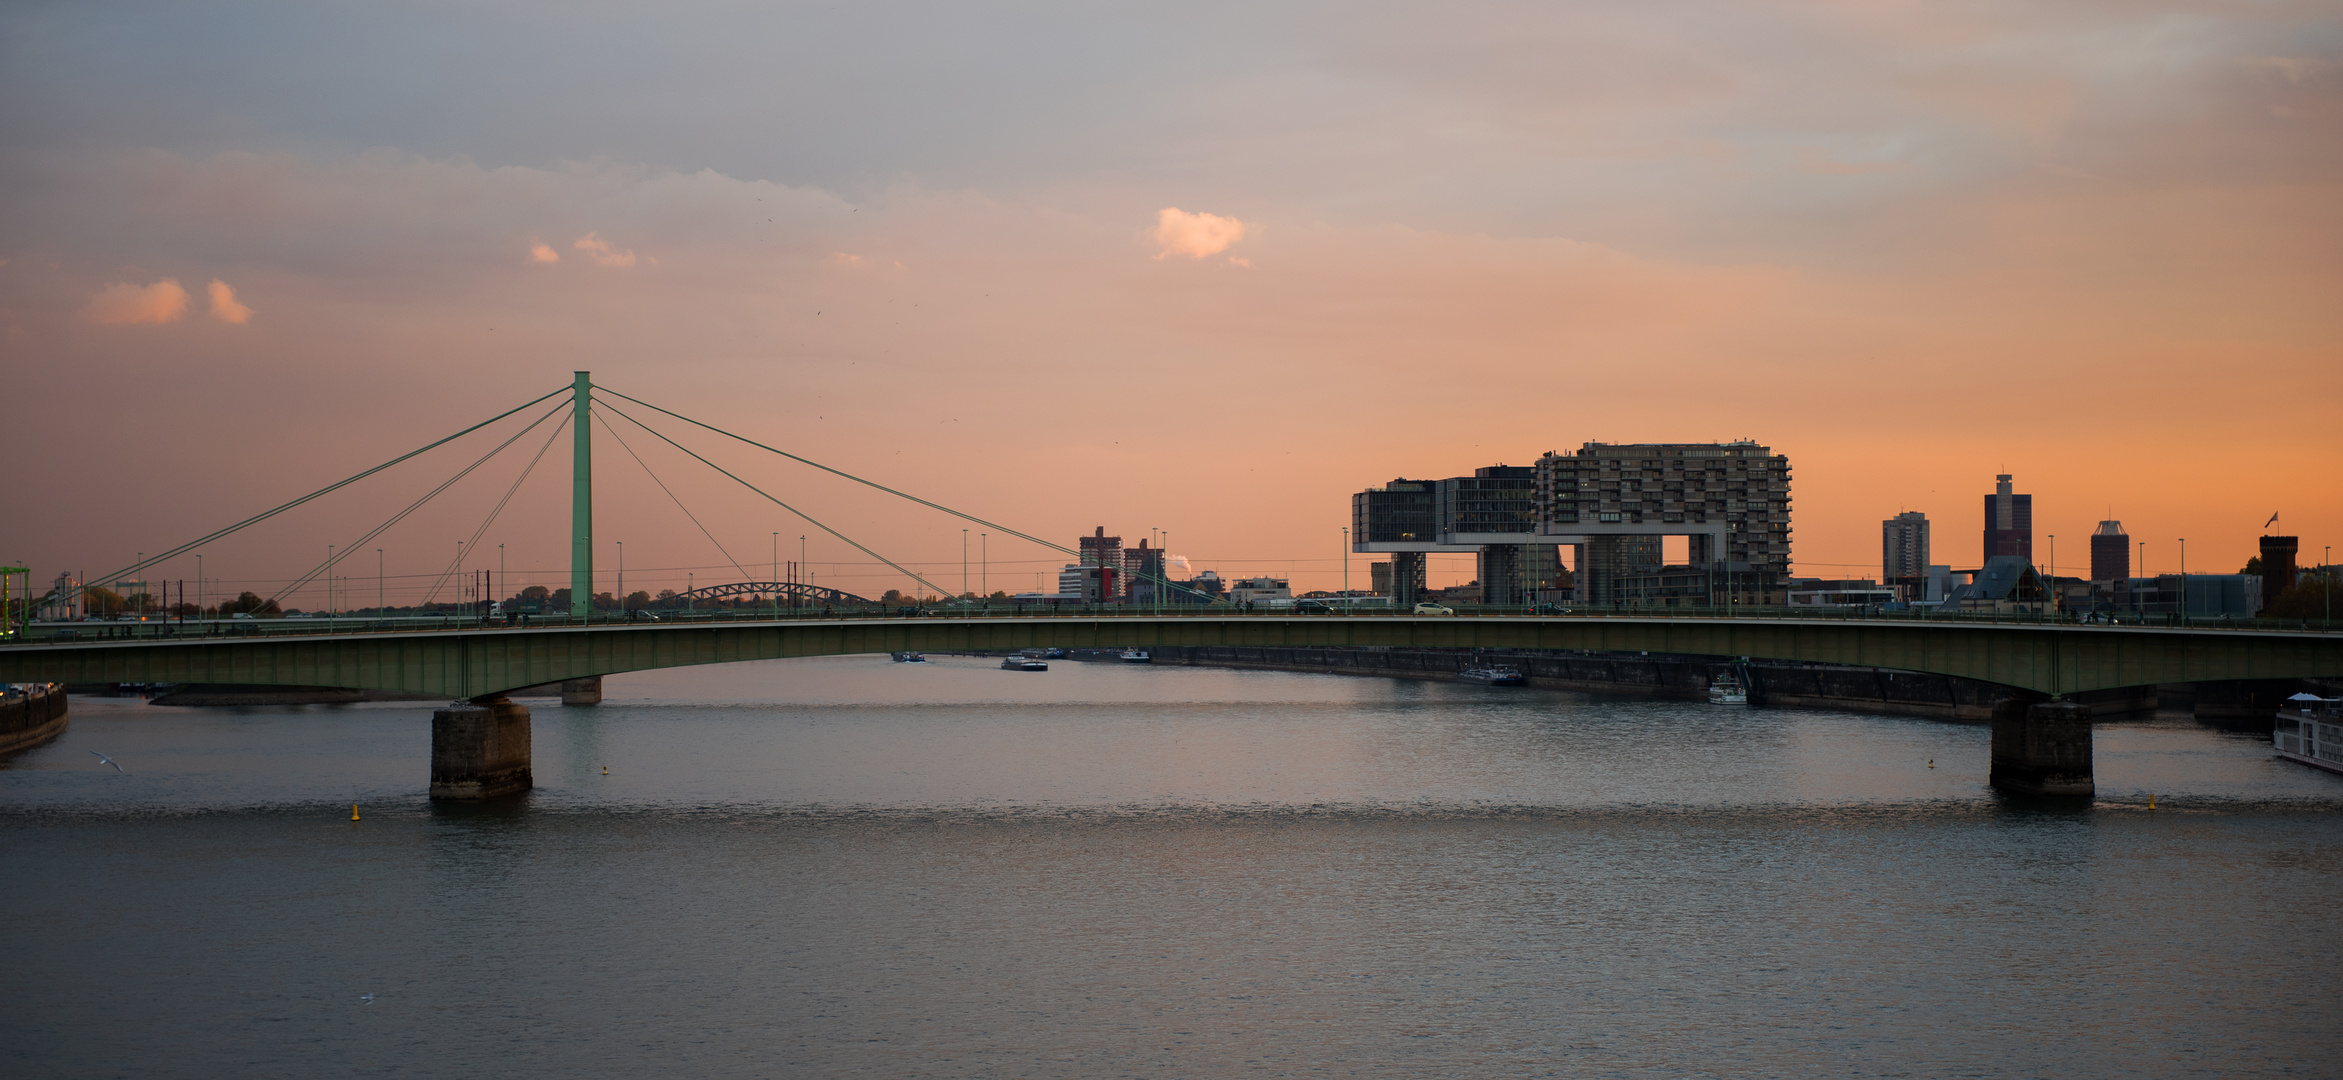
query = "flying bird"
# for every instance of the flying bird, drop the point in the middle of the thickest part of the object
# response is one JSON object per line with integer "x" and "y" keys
{"x": 110, "y": 761}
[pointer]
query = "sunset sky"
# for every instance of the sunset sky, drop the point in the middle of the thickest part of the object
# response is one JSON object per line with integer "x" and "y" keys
{"x": 1206, "y": 269}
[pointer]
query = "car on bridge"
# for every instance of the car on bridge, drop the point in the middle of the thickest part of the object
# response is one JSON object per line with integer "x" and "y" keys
{"x": 1432, "y": 609}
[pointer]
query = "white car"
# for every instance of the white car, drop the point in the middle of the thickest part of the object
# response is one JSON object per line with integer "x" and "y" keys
{"x": 1433, "y": 609}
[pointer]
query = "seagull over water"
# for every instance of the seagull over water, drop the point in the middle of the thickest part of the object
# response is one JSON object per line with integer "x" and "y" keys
{"x": 366, "y": 999}
{"x": 110, "y": 761}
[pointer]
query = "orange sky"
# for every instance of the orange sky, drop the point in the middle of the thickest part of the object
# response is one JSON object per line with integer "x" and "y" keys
{"x": 1074, "y": 268}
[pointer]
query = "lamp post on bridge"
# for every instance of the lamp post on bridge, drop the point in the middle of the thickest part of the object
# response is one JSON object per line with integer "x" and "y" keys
{"x": 621, "y": 597}
{"x": 964, "y": 564}
{"x": 2184, "y": 581}
{"x": 984, "y": 566}
{"x": 380, "y": 610}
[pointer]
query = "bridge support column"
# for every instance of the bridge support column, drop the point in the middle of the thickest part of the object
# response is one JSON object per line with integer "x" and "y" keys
{"x": 2042, "y": 747}
{"x": 586, "y": 691}
{"x": 1407, "y": 580}
{"x": 480, "y": 750}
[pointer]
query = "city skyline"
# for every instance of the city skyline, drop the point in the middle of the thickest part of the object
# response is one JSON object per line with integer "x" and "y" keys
{"x": 1211, "y": 287}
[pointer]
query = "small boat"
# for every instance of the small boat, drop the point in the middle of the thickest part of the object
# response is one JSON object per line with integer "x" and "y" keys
{"x": 1727, "y": 692}
{"x": 1024, "y": 663}
{"x": 1134, "y": 656}
{"x": 2310, "y": 730}
{"x": 1497, "y": 675}
{"x": 909, "y": 658}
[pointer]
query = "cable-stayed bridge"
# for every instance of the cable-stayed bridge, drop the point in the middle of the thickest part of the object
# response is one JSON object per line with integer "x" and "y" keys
{"x": 480, "y": 748}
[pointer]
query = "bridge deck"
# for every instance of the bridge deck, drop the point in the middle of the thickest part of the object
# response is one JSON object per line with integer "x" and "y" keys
{"x": 474, "y": 662}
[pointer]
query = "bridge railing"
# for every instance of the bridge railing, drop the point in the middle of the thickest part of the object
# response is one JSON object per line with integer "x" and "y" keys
{"x": 170, "y": 629}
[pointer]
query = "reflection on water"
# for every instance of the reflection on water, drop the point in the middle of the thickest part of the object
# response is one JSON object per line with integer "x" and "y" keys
{"x": 850, "y": 867}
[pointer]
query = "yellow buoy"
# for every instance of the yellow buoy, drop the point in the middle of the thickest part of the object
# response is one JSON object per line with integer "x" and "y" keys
{"x": 605, "y": 770}
{"x": 2151, "y": 802}
{"x": 353, "y": 811}
{"x": 1931, "y": 763}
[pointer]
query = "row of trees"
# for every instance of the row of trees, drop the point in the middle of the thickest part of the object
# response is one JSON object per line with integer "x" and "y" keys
{"x": 106, "y": 603}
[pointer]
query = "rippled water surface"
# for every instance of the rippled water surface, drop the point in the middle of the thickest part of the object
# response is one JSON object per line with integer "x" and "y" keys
{"x": 845, "y": 867}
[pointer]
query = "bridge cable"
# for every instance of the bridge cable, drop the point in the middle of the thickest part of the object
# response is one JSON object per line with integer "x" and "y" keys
{"x": 258, "y": 518}
{"x": 847, "y": 475}
{"x": 875, "y": 484}
{"x": 900, "y": 568}
{"x": 630, "y": 452}
{"x": 417, "y": 504}
{"x": 500, "y": 503}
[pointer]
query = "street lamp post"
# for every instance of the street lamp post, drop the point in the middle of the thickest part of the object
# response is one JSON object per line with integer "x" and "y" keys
{"x": 776, "y": 573}
{"x": 1346, "y": 562}
{"x": 621, "y": 597}
{"x": 984, "y": 565}
{"x": 329, "y": 588}
{"x": 2184, "y": 581}
{"x": 964, "y": 563}
{"x": 199, "y": 585}
{"x": 380, "y": 611}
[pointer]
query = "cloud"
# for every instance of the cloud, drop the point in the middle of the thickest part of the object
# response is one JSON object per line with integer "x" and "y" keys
{"x": 224, "y": 305}
{"x": 122, "y": 302}
{"x": 544, "y": 253}
{"x": 1195, "y": 235}
{"x": 601, "y": 251}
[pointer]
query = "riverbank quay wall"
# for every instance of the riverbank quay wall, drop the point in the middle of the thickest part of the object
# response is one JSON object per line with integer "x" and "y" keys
{"x": 1682, "y": 678}
{"x": 33, "y": 717}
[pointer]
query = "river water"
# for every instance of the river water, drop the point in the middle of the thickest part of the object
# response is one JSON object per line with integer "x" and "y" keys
{"x": 846, "y": 867}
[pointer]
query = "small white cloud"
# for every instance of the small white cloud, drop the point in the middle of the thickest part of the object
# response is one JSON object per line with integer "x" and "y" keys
{"x": 122, "y": 302}
{"x": 1239, "y": 260}
{"x": 602, "y": 253}
{"x": 225, "y": 306}
{"x": 1195, "y": 235}
{"x": 847, "y": 260}
{"x": 540, "y": 251}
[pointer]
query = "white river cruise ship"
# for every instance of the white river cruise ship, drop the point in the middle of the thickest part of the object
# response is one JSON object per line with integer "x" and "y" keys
{"x": 2310, "y": 730}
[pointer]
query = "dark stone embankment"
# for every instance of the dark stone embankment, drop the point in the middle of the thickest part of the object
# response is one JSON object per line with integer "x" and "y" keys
{"x": 1686, "y": 678}
{"x": 216, "y": 694}
{"x": 31, "y": 715}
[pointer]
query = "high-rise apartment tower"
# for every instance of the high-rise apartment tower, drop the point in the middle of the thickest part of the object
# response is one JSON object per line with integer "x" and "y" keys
{"x": 2009, "y": 522}
{"x": 2110, "y": 552}
{"x": 1903, "y": 546}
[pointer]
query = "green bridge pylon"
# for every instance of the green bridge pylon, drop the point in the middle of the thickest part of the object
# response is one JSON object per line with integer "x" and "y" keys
{"x": 581, "y": 499}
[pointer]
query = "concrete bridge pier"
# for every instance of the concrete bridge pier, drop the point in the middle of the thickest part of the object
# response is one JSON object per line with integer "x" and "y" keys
{"x": 586, "y": 691}
{"x": 480, "y": 749}
{"x": 2042, "y": 747}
